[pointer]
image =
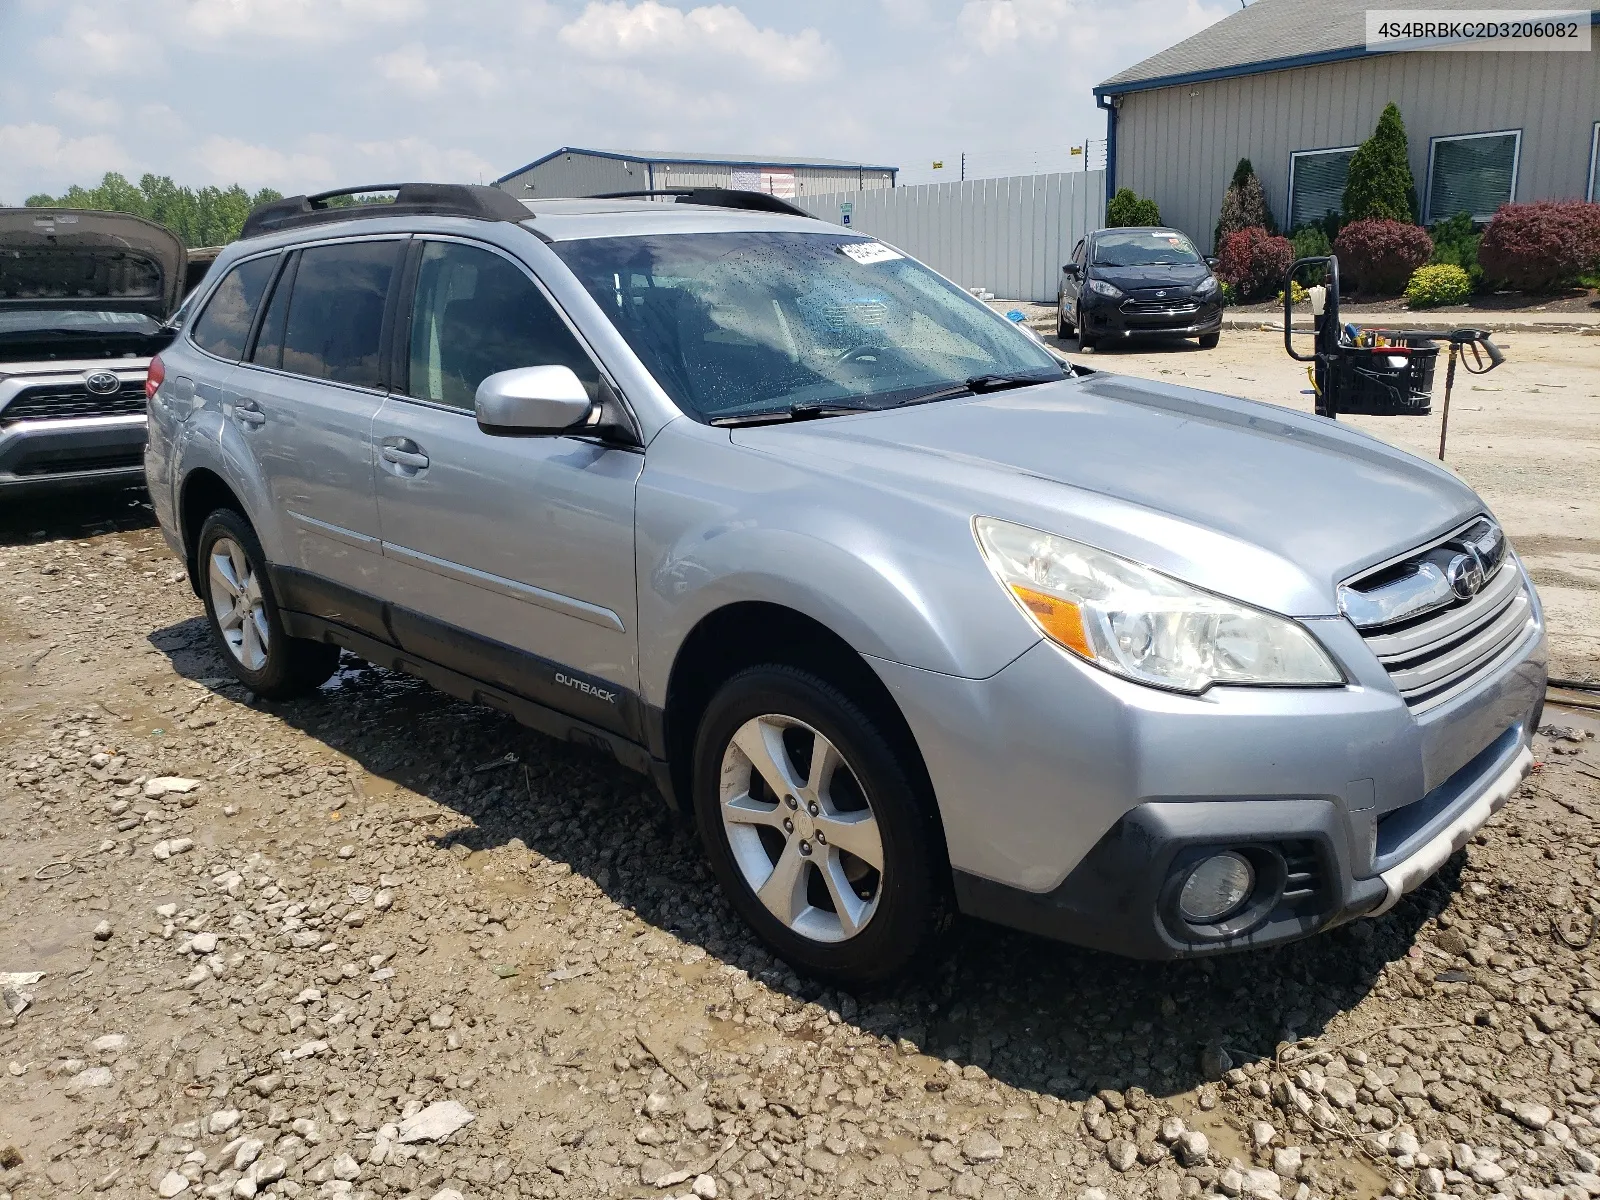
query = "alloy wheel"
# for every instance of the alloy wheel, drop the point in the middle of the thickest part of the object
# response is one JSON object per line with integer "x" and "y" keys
{"x": 801, "y": 828}
{"x": 236, "y": 600}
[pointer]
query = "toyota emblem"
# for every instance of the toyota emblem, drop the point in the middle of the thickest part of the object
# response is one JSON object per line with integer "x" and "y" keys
{"x": 102, "y": 383}
{"x": 1465, "y": 575}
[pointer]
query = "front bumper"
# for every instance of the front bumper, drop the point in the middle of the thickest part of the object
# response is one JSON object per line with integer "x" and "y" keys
{"x": 1109, "y": 318}
{"x": 74, "y": 452}
{"x": 1074, "y": 801}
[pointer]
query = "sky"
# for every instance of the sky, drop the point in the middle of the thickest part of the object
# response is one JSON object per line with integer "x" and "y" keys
{"x": 305, "y": 95}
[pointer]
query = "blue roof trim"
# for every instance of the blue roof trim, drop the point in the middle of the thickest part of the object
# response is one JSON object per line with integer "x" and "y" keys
{"x": 696, "y": 162}
{"x": 1258, "y": 68}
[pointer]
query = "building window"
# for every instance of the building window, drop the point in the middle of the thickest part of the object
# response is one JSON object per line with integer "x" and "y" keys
{"x": 1316, "y": 183}
{"x": 1474, "y": 173}
{"x": 1594, "y": 159}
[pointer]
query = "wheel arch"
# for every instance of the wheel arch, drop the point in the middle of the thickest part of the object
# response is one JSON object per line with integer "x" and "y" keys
{"x": 753, "y": 633}
{"x": 203, "y": 492}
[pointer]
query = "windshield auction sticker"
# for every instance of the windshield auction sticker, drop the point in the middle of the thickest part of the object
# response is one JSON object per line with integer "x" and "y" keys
{"x": 869, "y": 252}
{"x": 1477, "y": 29}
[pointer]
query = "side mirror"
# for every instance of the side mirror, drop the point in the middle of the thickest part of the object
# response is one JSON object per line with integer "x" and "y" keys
{"x": 531, "y": 401}
{"x": 1070, "y": 269}
{"x": 1211, "y": 261}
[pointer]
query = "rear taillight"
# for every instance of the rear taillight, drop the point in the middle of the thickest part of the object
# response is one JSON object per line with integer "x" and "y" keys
{"x": 154, "y": 377}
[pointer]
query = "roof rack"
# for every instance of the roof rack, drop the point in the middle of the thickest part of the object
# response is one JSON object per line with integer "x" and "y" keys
{"x": 716, "y": 197}
{"x": 411, "y": 199}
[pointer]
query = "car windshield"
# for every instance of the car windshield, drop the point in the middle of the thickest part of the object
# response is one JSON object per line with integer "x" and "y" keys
{"x": 740, "y": 323}
{"x": 1144, "y": 248}
{"x": 66, "y": 322}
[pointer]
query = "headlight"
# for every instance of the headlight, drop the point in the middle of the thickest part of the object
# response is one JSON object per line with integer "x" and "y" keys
{"x": 1144, "y": 625}
{"x": 1207, "y": 286}
{"x": 1105, "y": 289}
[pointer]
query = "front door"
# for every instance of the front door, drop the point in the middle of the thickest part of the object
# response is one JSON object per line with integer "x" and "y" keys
{"x": 509, "y": 559}
{"x": 306, "y": 399}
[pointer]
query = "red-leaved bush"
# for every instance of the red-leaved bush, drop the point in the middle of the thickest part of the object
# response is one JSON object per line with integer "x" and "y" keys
{"x": 1253, "y": 262}
{"x": 1378, "y": 255}
{"x": 1535, "y": 247}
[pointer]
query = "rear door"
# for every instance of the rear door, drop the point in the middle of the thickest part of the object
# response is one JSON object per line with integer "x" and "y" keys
{"x": 305, "y": 399}
{"x": 509, "y": 559}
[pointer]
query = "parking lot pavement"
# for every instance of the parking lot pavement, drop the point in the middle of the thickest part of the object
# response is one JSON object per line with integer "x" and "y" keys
{"x": 288, "y": 949}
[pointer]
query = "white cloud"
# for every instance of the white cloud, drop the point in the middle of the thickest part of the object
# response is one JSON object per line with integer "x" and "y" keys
{"x": 84, "y": 109}
{"x": 289, "y": 20}
{"x": 323, "y": 161}
{"x": 615, "y": 31}
{"x": 232, "y": 160}
{"x": 33, "y": 152}
{"x": 414, "y": 70}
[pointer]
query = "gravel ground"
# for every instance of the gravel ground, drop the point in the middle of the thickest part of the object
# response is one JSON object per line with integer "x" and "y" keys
{"x": 380, "y": 943}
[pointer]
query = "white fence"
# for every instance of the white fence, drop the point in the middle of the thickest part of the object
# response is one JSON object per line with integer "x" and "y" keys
{"x": 1008, "y": 235}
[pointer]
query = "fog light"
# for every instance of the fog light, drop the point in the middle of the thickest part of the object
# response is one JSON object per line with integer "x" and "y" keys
{"x": 1216, "y": 888}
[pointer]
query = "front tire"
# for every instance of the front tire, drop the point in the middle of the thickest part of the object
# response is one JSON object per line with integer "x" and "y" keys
{"x": 1085, "y": 342}
{"x": 242, "y": 614}
{"x": 814, "y": 828}
{"x": 1209, "y": 341}
{"x": 1064, "y": 327}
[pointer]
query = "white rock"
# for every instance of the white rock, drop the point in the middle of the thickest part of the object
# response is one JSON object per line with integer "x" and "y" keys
{"x": 447, "y": 1194}
{"x": 249, "y": 1150}
{"x": 270, "y": 1168}
{"x": 166, "y": 911}
{"x": 203, "y": 943}
{"x": 163, "y": 785}
{"x": 1260, "y": 1182}
{"x": 705, "y": 1187}
{"x": 434, "y": 1123}
{"x": 172, "y": 1184}
{"x": 1487, "y": 1172}
{"x": 223, "y": 1120}
{"x": 1171, "y": 1129}
{"x": 346, "y": 1167}
{"x": 1192, "y": 1148}
{"x": 1286, "y": 1162}
{"x": 94, "y": 1077}
{"x": 108, "y": 1043}
{"x": 1262, "y": 1133}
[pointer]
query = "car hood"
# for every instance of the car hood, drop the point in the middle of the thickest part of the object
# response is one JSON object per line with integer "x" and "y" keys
{"x": 53, "y": 258}
{"x": 1251, "y": 500}
{"x": 1129, "y": 279}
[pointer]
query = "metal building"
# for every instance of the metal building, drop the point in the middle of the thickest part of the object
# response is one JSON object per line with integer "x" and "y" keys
{"x": 1291, "y": 85}
{"x": 573, "y": 171}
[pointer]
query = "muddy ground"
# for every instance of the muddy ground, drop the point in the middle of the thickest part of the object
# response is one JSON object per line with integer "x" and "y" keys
{"x": 380, "y": 911}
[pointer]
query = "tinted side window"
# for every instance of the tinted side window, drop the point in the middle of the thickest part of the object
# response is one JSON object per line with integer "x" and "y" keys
{"x": 269, "y": 342}
{"x": 335, "y": 317}
{"x": 225, "y": 325}
{"x": 476, "y": 314}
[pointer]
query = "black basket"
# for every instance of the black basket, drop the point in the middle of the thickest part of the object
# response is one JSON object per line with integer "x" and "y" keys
{"x": 1384, "y": 381}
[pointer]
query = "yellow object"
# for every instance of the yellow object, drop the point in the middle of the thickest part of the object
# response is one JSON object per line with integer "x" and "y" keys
{"x": 938, "y": 166}
{"x": 1059, "y": 618}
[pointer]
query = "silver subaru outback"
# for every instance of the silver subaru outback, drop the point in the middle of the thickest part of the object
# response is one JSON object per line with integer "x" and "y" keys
{"x": 912, "y": 616}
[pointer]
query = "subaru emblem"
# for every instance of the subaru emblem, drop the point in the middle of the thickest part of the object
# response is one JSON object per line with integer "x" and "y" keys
{"x": 1465, "y": 574}
{"x": 102, "y": 383}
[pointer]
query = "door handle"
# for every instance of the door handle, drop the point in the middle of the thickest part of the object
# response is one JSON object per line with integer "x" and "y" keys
{"x": 246, "y": 412}
{"x": 414, "y": 458}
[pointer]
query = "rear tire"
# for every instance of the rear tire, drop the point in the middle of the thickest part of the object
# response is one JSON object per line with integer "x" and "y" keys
{"x": 1209, "y": 341}
{"x": 838, "y": 868}
{"x": 242, "y": 614}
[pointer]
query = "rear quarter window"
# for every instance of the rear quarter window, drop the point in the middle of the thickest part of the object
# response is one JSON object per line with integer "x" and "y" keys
{"x": 224, "y": 326}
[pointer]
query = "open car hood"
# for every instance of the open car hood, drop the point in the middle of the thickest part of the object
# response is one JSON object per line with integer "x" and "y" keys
{"x": 55, "y": 258}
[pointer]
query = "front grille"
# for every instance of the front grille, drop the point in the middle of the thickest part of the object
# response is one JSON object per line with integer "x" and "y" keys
{"x": 1438, "y": 653}
{"x": 1162, "y": 308}
{"x": 57, "y": 401}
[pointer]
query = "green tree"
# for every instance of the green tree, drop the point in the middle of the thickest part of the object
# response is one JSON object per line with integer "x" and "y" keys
{"x": 1244, "y": 205}
{"x": 1127, "y": 208}
{"x": 1380, "y": 182}
{"x": 209, "y": 216}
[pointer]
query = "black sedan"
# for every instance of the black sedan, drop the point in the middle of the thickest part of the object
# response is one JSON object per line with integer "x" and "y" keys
{"x": 1125, "y": 283}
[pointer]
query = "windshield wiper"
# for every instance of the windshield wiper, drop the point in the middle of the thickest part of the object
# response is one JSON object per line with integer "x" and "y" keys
{"x": 792, "y": 412}
{"x": 977, "y": 385}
